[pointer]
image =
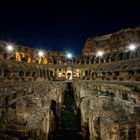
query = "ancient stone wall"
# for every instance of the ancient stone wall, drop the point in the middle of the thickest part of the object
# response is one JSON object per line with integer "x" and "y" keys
{"x": 106, "y": 115}
{"x": 26, "y": 109}
{"x": 112, "y": 42}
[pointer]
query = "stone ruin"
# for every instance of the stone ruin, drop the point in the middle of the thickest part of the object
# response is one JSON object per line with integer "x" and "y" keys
{"x": 106, "y": 90}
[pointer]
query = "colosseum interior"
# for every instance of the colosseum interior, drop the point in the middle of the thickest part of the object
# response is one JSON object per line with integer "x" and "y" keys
{"x": 95, "y": 96}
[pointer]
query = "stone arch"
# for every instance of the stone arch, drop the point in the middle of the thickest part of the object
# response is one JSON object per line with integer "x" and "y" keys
{"x": 106, "y": 57}
{"x": 132, "y": 133}
{"x": 0, "y": 72}
{"x": 101, "y": 60}
{"x": 82, "y": 61}
{"x": 34, "y": 74}
{"x": 137, "y": 54}
{"x": 87, "y": 60}
{"x": 138, "y": 71}
{"x": 78, "y": 62}
{"x": 21, "y": 74}
{"x": 41, "y": 73}
{"x": 96, "y": 60}
{"x": 91, "y": 59}
{"x": 109, "y": 73}
{"x": 126, "y": 55}
{"x": 69, "y": 73}
{"x": 119, "y": 57}
{"x": 51, "y": 73}
{"x": 103, "y": 75}
{"x": 28, "y": 74}
{"x": 6, "y": 100}
{"x": 44, "y": 72}
{"x": 6, "y": 73}
{"x": 131, "y": 72}
{"x": 132, "y": 54}
{"x": 113, "y": 57}
{"x": 5, "y": 55}
{"x": 53, "y": 107}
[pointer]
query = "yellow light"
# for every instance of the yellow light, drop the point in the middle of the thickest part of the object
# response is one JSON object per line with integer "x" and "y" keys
{"x": 59, "y": 74}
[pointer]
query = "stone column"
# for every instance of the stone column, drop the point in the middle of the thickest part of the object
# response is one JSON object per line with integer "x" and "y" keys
{"x": 91, "y": 126}
{"x": 84, "y": 132}
{"x": 126, "y": 132}
{"x": 138, "y": 132}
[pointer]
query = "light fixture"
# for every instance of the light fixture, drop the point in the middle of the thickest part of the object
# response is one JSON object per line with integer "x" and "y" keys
{"x": 100, "y": 53}
{"x": 69, "y": 55}
{"x": 132, "y": 47}
{"x": 9, "y": 47}
{"x": 41, "y": 53}
{"x": 59, "y": 74}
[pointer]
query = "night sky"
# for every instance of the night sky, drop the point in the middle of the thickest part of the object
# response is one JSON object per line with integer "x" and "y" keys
{"x": 59, "y": 25}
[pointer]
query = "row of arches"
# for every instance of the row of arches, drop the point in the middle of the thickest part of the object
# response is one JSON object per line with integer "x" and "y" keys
{"x": 7, "y": 74}
{"x": 118, "y": 75}
{"x": 109, "y": 57}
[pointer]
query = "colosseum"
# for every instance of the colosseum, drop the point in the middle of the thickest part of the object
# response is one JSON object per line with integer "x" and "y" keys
{"x": 45, "y": 95}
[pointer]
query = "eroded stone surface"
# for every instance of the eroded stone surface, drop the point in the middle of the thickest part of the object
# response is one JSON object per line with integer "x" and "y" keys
{"x": 106, "y": 91}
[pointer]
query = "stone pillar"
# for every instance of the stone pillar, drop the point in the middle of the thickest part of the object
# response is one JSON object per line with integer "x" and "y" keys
{"x": 84, "y": 132}
{"x": 126, "y": 132}
{"x": 91, "y": 126}
{"x": 115, "y": 134}
{"x": 138, "y": 101}
{"x": 99, "y": 60}
{"x": 138, "y": 132}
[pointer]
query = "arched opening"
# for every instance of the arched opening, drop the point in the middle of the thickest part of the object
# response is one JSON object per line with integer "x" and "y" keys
{"x": 78, "y": 62}
{"x": 132, "y": 133}
{"x": 5, "y": 56}
{"x": 51, "y": 73}
{"x": 41, "y": 73}
{"x": 34, "y": 74}
{"x": 21, "y": 74}
{"x": 82, "y": 62}
{"x": 120, "y": 56}
{"x": 53, "y": 107}
{"x": 69, "y": 74}
{"x": 113, "y": 57}
{"x": 96, "y": 60}
{"x": 126, "y": 55}
{"x": 6, "y": 73}
{"x": 0, "y": 72}
{"x": 69, "y": 126}
{"x": 101, "y": 60}
{"x": 28, "y": 74}
{"x": 130, "y": 72}
{"x": 107, "y": 58}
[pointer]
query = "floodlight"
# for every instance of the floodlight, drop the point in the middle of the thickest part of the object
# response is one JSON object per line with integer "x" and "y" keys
{"x": 100, "y": 53}
{"x": 10, "y": 48}
{"x": 132, "y": 47}
{"x": 69, "y": 55}
{"x": 41, "y": 53}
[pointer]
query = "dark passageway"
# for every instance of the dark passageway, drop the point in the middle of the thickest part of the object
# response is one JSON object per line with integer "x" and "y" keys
{"x": 68, "y": 126}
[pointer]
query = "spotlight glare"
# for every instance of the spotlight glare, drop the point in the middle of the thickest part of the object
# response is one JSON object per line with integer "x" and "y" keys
{"x": 100, "y": 53}
{"x": 69, "y": 55}
{"x": 10, "y": 48}
{"x": 132, "y": 47}
{"x": 41, "y": 53}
